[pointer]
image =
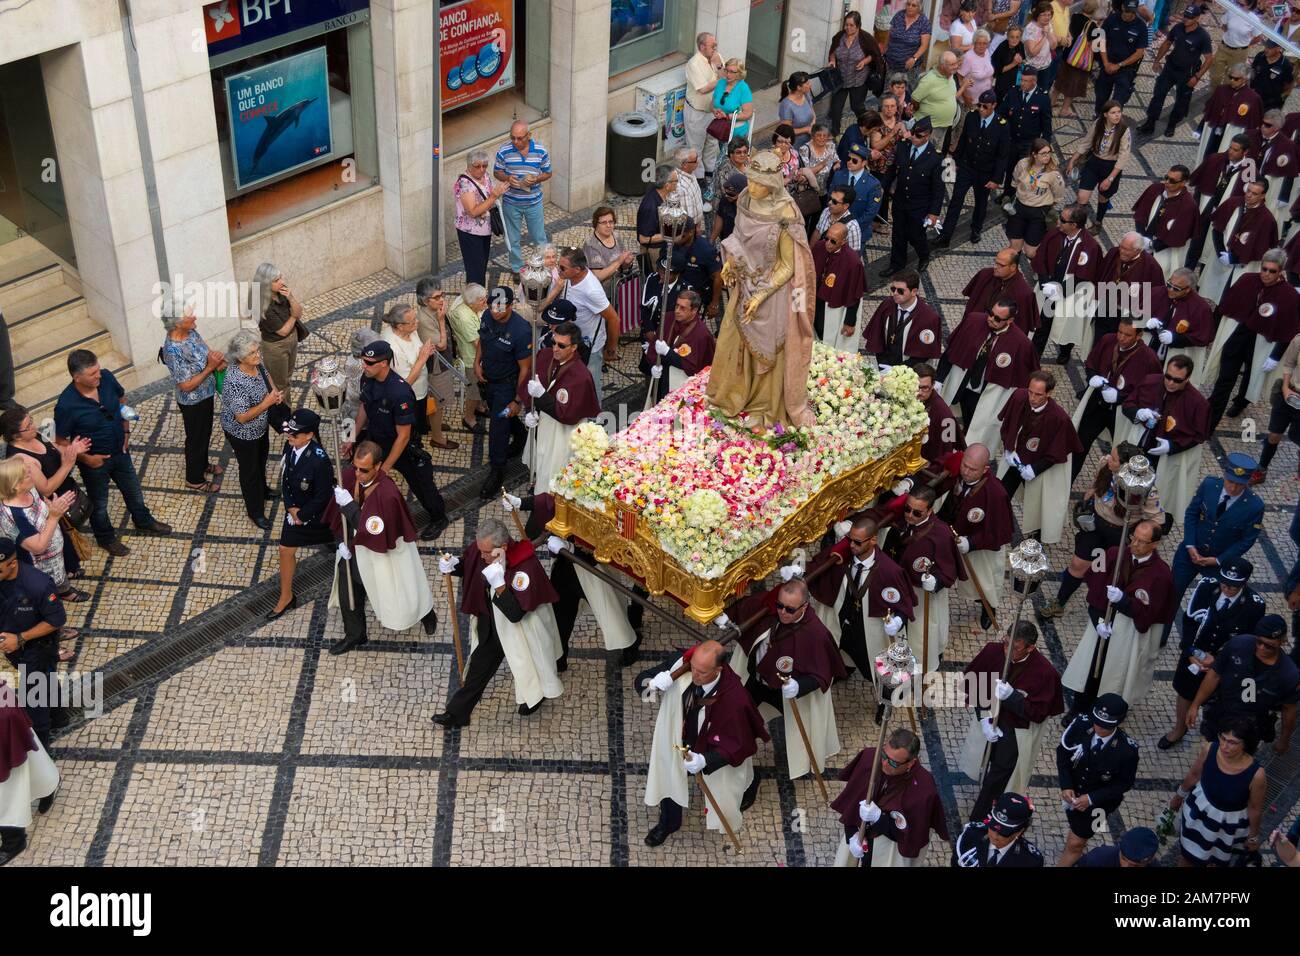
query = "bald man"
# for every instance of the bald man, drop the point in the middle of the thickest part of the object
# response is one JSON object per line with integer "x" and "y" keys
{"x": 1003, "y": 280}
{"x": 524, "y": 164}
{"x": 841, "y": 284}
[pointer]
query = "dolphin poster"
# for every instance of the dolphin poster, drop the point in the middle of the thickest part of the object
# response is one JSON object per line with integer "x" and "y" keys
{"x": 279, "y": 117}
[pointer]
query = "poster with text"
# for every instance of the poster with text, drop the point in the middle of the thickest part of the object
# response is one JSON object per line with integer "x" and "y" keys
{"x": 279, "y": 117}
{"x": 476, "y": 44}
{"x": 633, "y": 19}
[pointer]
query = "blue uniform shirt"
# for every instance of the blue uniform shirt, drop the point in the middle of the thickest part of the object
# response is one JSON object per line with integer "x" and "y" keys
{"x": 1230, "y": 536}
{"x": 1124, "y": 39}
{"x": 29, "y": 599}
{"x": 701, "y": 264}
{"x": 99, "y": 420}
{"x": 388, "y": 404}
{"x": 505, "y": 345}
{"x": 308, "y": 483}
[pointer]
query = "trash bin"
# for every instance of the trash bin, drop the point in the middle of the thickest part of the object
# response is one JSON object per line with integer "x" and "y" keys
{"x": 633, "y": 140}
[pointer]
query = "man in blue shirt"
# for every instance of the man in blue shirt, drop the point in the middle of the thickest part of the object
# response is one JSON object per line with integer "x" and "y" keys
{"x": 503, "y": 360}
{"x": 1190, "y": 54}
{"x": 700, "y": 268}
{"x": 525, "y": 164}
{"x": 1137, "y": 847}
{"x": 864, "y": 187}
{"x": 91, "y": 407}
{"x": 1125, "y": 43}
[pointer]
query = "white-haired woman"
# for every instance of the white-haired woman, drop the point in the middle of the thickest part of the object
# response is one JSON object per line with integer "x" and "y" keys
{"x": 193, "y": 367}
{"x": 476, "y": 194}
{"x": 465, "y": 317}
{"x": 245, "y": 399}
{"x": 278, "y": 319}
{"x": 33, "y": 522}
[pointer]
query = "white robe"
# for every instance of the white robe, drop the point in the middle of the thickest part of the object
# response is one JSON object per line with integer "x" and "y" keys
{"x": 608, "y": 608}
{"x": 1260, "y": 381}
{"x": 873, "y": 627}
{"x": 1130, "y": 660}
{"x": 987, "y": 566}
{"x": 1028, "y": 740}
{"x": 1044, "y": 501}
{"x": 666, "y": 777}
{"x": 1202, "y": 147}
{"x": 553, "y": 450}
{"x": 1177, "y": 476}
{"x": 938, "y": 626}
{"x": 983, "y": 427}
{"x": 833, "y": 325}
{"x": 676, "y": 379}
{"x": 397, "y": 586}
{"x": 884, "y": 853}
{"x": 1217, "y": 278}
{"x": 1072, "y": 317}
{"x": 531, "y": 647}
{"x": 36, "y": 778}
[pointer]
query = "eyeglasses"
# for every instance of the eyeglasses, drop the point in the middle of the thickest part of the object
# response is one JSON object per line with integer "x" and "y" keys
{"x": 899, "y": 289}
{"x": 1176, "y": 288}
{"x": 917, "y": 512}
{"x": 1174, "y": 379}
{"x": 892, "y": 762}
{"x": 788, "y": 609}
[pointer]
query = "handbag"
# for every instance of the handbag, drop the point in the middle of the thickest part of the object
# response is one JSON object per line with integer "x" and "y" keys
{"x": 74, "y": 538}
{"x": 1080, "y": 55}
{"x": 1085, "y": 515}
{"x": 277, "y": 414}
{"x": 805, "y": 197}
{"x": 720, "y": 129}
{"x": 80, "y": 510}
{"x": 494, "y": 214}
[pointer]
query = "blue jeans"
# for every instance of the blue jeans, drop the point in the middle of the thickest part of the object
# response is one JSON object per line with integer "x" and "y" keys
{"x": 121, "y": 471}
{"x": 515, "y": 217}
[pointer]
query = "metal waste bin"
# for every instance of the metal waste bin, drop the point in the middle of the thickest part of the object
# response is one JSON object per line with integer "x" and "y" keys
{"x": 633, "y": 139}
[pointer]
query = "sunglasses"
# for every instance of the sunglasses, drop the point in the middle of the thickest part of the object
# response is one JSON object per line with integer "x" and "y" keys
{"x": 899, "y": 289}
{"x": 1174, "y": 379}
{"x": 1176, "y": 288}
{"x": 367, "y": 361}
{"x": 1171, "y": 181}
{"x": 892, "y": 762}
{"x": 859, "y": 542}
{"x": 918, "y": 512}
{"x": 788, "y": 609}
{"x": 1272, "y": 270}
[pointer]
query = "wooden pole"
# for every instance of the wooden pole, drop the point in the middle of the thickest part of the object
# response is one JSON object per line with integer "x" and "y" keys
{"x": 979, "y": 588}
{"x": 708, "y": 795}
{"x": 455, "y": 626}
{"x": 519, "y": 523}
{"x": 807, "y": 744}
{"x": 875, "y": 772}
{"x": 925, "y": 636}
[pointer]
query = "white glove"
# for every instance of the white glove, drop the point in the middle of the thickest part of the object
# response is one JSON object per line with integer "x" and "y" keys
{"x": 893, "y": 624}
{"x": 1052, "y": 291}
{"x": 1166, "y": 337}
{"x": 1002, "y": 690}
{"x": 868, "y": 813}
{"x": 555, "y": 544}
{"x": 1161, "y": 447}
{"x": 1113, "y": 594}
{"x": 1104, "y": 629}
{"x": 694, "y": 762}
{"x": 535, "y": 387}
{"x": 790, "y": 689}
{"x": 1196, "y": 134}
{"x": 963, "y": 544}
{"x": 1011, "y": 458}
{"x": 494, "y": 574}
{"x": 662, "y": 681}
{"x": 1146, "y": 415}
{"x": 344, "y": 551}
{"x": 792, "y": 571}
{"x": 531, "y": 420}
{"x": 1146, "y": 244}
{"x": 989, "y": 730}
{"x": 661, "y": 347}
{"x": 722, "y": 621}
{"x": 1109, "y": 395}
{"x": 882, "y": 369}
{"x": 841, "y": 529}
{"x": 448, "y": 564}
{"x": 902, "y": 486}
{"x": 342, "y": 498}
{"x": 656, "y": 372}
{"x": 1154, "y": 324}
{"x": 1268, "y": 364}
{"x": 929, "y": 582}
{"x": 1225, "y": 257}
{"x": 511, "y": 502}
{"x": 645, "y": 348}
{"x": 1097, "y": 382}
{"x": 1027, "y": 472}
{"x": 855, "y": 847}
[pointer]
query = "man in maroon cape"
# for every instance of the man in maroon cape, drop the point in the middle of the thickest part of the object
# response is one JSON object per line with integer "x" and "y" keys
{"x": 1068, "y": 256}
{"x": 1003, "y": 280}
{"x": 1233, "y": 103}
{"x": 841, "y": 284}
{"x": 1242, "y": 230}
{"x": 567, "y": 392}
{"x": 1037, "y": 431}
{"x": 986, "y": 349}
{"x": 1129, "y": 282}
{"x": 904, "y": 810}
{"x": 1219, "y": 177}
{"x": 1186, "y": 321}
{"x": 904, "y": 329}
{"x": 1275, "y": 155}
{"x": 979, "y": 513}
{"x": 945, "y": 434}
{"x": 1179, "y": 416}
{"x": 1032, "y": 694}
{"x": 687, "y": 345}
{"x": 1114, "y": 368}
{"x": 1166, "y": 215}
{"x": 26, "y": 773}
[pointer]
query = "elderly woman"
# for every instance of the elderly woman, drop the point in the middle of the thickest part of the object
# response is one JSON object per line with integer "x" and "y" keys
{"x": 246, "y": 396}
{"x": 476, "y": 194}
{"x": 818, "y": 159}
{"x": 33, "y": 523}
{"x": 733, "y": 95}
{"x": 465, "y": 318}
{"x": 1007, "y": 58}
{"x": 977, "y": 64}
{"x": 402, "y": 331}
{"x": 860, "y": 64}
{"x": 193, "y": 367}
{"x": 49, "y": 465}
{"x": 737, "y": 160}
{"x": 909, "y": 42}
{"x": 605, "y": 253}
{"x": 278, "y": 319}
{"x": 431, "y": 315}
{"x": 1041, "y": 42}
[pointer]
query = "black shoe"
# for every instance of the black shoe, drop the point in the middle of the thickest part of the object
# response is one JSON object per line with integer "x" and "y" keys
{"x": 1147, "y": 128}
{"x": 922, "y": 265}
{"x": 47, "y": 803}
{"x": 11, "y": 851}
{"x": 525, "y": 710}
{"x": 448, "y": 719}
{"x": 750, "y": 795}
{"x": 347, "y": 643}
{"x": 561, "y": 665}
{"x": 1063, "y": 354}
{"x": 1164, "y": 743}
{"x": 985, "y": 621}
{"x": 433, "y": 529}
{"x": 492, "y": 486}
{"x": 1169, "y": 130}
{"x": 941, "y": 243}
{"x": 478, "y": 428}
{"x": 264, "y": 523}
{"x": 880, "y": 714}
{"x": 1238, "y": 406}
{"x": 157, "y": 528}
{"x": 658, "y": 834}
{"x": 293, "y": 603}
{"x": 430, "y": 622}
{"x": 271, "y": 492}
{"x": 630, "y": 653}
{"x": 974, "y": 235}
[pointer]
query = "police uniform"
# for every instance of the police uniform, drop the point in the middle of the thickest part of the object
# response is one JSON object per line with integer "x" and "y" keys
{"x": 697, "y": 265}
{"x": 982, "y": 155}
{"x": 1270, "y": 80}
{"x": 866, "y": 195}
{"x": 502, "y": 346}
{"x": 1029, "y": 117}
{"x": 27, "y": 600}
{"x": 918, "y": 192}
{"x": 388, "y": 404}
{"x": 1123, "y": 38}
{"x": 1103, "y": 768}
{"x": 306, "y": 483}
{"x": 1011, "y": 814}
{"x": 1273, "y": 686}
{"x": 1187, "y": 50}
{"x": 1211, "y": 619}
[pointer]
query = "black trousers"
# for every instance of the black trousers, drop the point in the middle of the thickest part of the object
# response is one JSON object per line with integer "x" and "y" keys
{"x": 354, "y": 617}
{"x": 1097, "y": 418}
{"x": 853, "y": 641}
{"x": 966, "y": 402}
{"x": 502, "y": 432}
{"x": 1115, "y": 86}
{"x": 1234, "y": 363}
{"x": 39, "y": 660}
{"x": 197, "y": 419}
{"x": 251, "y": 457}
{"x": 483, "y": 665}
{"x": 909, "y": 229}
{"x": 1197, "y": 242}
{"x": 967, "y": 181}
{"x": 857, "y": 97}
{"x": 415, "y": 465}
{"x": 1002, "y": 764}
{"x": 1166, "y": 81}
{"x": 565, "y": 581}
{"x": 474, "y": 253}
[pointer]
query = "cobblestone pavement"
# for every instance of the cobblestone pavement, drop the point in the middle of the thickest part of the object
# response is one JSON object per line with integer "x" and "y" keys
{"x": 229, "y": 742}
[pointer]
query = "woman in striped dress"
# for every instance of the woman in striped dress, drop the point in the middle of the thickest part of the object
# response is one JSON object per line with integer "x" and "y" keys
{"x": 1222, "y": 798}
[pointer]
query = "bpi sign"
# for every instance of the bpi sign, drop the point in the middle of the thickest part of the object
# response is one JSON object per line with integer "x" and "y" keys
{"x": 231, "y": 24}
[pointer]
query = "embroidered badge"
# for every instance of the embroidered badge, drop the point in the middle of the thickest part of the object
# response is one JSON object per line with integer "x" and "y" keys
{"x": 890, "y": 595}
{"x": 1142, "y": 595}
{"x": 829, "y": 281}
{"x": 1033, "y": 444}
{"x": 562, "y": 396}
{"x": 975, "y": 515}
{"x": 1182, "y": 326}
{"x": 520, "y": 581}
{"x": 1120, "y": 384}
{"x": 1170, "y": 422}
{"x": 1083, "y": 258}
{"x": 1283, "y": 160}
{"x": 920, "y": 565}
{"x": 1003, "y": 360}
{"x": 375, "y": 524}
{"x": 1243, "y": 237}
{"x": 1266, "y": 309}
{"x": 927, "y": 336}
{"x": 1243, "y": 109}
{"x": 1171, "y": 223}
{"x": 683, "y": 350}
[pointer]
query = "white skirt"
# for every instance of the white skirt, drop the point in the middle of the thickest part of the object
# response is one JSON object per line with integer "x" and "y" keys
{"x": 36, "y": 778}
{"x": 1130, "y": 661}
{"x": 833, "y": 325}
{"x": 1072, "y": 323}
{"x": 884, "y": 853}
{"x": 1028, "y": 740}
{"x": 984, "y": 427}
{"x": 1044, "y": 501}
{"x": 553, "y": 450}
{"x": 531, "y": 649}
{"x": 1260, "y": 381}
{"x": 396, "y": 584}
{"x": 608, "y": 608}
{"x": 987, "y": 567}
{"x": 1170, "y": 258}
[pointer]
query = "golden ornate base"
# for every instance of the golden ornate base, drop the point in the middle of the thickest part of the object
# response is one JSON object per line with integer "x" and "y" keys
{"x": 618, "y": 538}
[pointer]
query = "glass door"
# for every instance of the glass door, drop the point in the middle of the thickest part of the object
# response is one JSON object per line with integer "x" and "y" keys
{"x": 763, "y": 52}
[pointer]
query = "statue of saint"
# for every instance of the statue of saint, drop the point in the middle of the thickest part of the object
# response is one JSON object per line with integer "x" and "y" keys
{"x": 765, "y": 341}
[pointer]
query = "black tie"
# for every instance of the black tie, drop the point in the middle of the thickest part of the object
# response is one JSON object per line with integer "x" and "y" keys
{"x": 1063, "y": 260}
{"x": 691, "y": 698}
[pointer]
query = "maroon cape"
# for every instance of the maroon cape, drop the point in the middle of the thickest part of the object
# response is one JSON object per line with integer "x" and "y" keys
{"x": 1291, "y": 126}
{"x": 1184, "y": 417}
{"x": 841, "y": 279}
{"x": 984, "y": 290}
{"x": 1178, "y": 217}
{"x": 807, "y": 642}
{"x": 732, "y": 724}
{"x": 942, "y": 423}
{"x": 1292, "y": 246}
{"x": 1040, "y": 438}
{"x": 1084, "y": 262}
{"x": 1148, "y": 589}
{"x": 884, "y": 575}
{"x": 1272, "y": 311}
{"x": 540, "y": 516}
{"x": 383, "y": 502}
{"x": 1143, "y": 272}
{"x": 982, "y": 515}
{"x": 1035, "y": 675}
{"x": 16, "y": 737}
{"x": 1124, "y": 370}
{"x": 699, "y": 343}
{"x": 1281, "y": 160}
{"x": 924, "y": 319}
{"x": 1011, "y": 371}
{"x": 913, "y": 794}
{"x": 570, "y": 384}
{"x": 934, "y": 540}
{"x": 1205, "y": 178}
{"x": 1254, "y": 234}
{"x": 1226, "y": 108}
{"x": 1190, "y": 318}
{"x": 520, "y": 557}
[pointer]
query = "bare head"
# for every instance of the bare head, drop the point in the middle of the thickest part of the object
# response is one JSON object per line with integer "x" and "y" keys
{"x": 706, "y": 663}
{"x": 1130, "y": 247}
{"x": 975, "y": 463}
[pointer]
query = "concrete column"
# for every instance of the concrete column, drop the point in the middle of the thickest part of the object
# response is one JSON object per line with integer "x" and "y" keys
{"x": 818, "y": 20}
{"x": 402, "y": 35}
{"x": 579, "y": 91}
{"x": 728, "y": 20}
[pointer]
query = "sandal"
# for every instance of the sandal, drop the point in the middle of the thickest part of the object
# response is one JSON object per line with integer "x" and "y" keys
{"x": 73, "y": 596}
{"x": 446, "y": 444}
{"x": 207, "y": 487}
{"x": 68, "y": 634}
{"x": 214, "y": 470}
{"x": 66, "y": 655}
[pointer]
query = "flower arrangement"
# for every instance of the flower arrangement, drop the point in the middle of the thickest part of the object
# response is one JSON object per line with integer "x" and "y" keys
{"x": 712, "y": 488}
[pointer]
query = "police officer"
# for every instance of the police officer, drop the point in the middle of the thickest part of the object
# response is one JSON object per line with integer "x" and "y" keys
{"x": 1220, "y": 608}
{"x": 864, "y": 191}
{"x": 1028, "y": 112}
{"x": 1222, "y": 522}
{"x": 1251, "y": 677}
{"x": 306, "y": 483}
{"x": 1124, "y": 44}
{"x": 387, "y": 418}
{"x": 30, "y": 617}
{"x": 1096, "y": 764}
{"x": 981, "y": 154}
{"x": 1137, "y": 847}
{"x": 699, "y": 268}
{"x": 918, "y": 196}
{"x": 503, "y": 360}
{"x": 1190, "y": 55}
{"x": 1000, "y": 840}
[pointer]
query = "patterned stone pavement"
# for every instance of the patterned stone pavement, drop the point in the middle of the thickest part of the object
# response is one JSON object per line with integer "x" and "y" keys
{"x": 245, "y": 744}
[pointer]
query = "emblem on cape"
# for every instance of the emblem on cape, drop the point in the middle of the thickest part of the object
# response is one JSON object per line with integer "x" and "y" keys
{"x": 890, "y": 595}
{"x": 1171, "y": 223}
{"x": 785, "y": 664}
{"x": 1243, "y": 109}
{"x": 829, "y": 281}
{"x": 1266, "y": 309}
{"x": 562, "y": 396}
{"x": 1003, "y": 360}
{"x": 975, "y": 515}
{"x": 1243, "y": 237}
{"x": 900, "y": 821}
{"x": 1142, "y": 595}
{"x": 375, "y": 524}
{"x": 1282, "y": 160}
{"x": 1182, "y": 326}
{"x": 1170, "y": 422}
{"x": 1119, "y": 384}
{"x": 1083, "y": 258}
{"x": 1032, "y": 444}
{"x": 920, "y": 565}
{"x": 683, "y": 350}
{"x": 520, "y": 581}
{"x": 926, "y": 336}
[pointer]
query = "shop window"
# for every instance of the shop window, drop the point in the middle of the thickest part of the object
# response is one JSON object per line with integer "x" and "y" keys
{"x": 644, "y": 30}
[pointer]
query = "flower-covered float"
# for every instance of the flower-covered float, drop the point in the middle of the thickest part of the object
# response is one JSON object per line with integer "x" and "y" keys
{"x": 698, "y": 505}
